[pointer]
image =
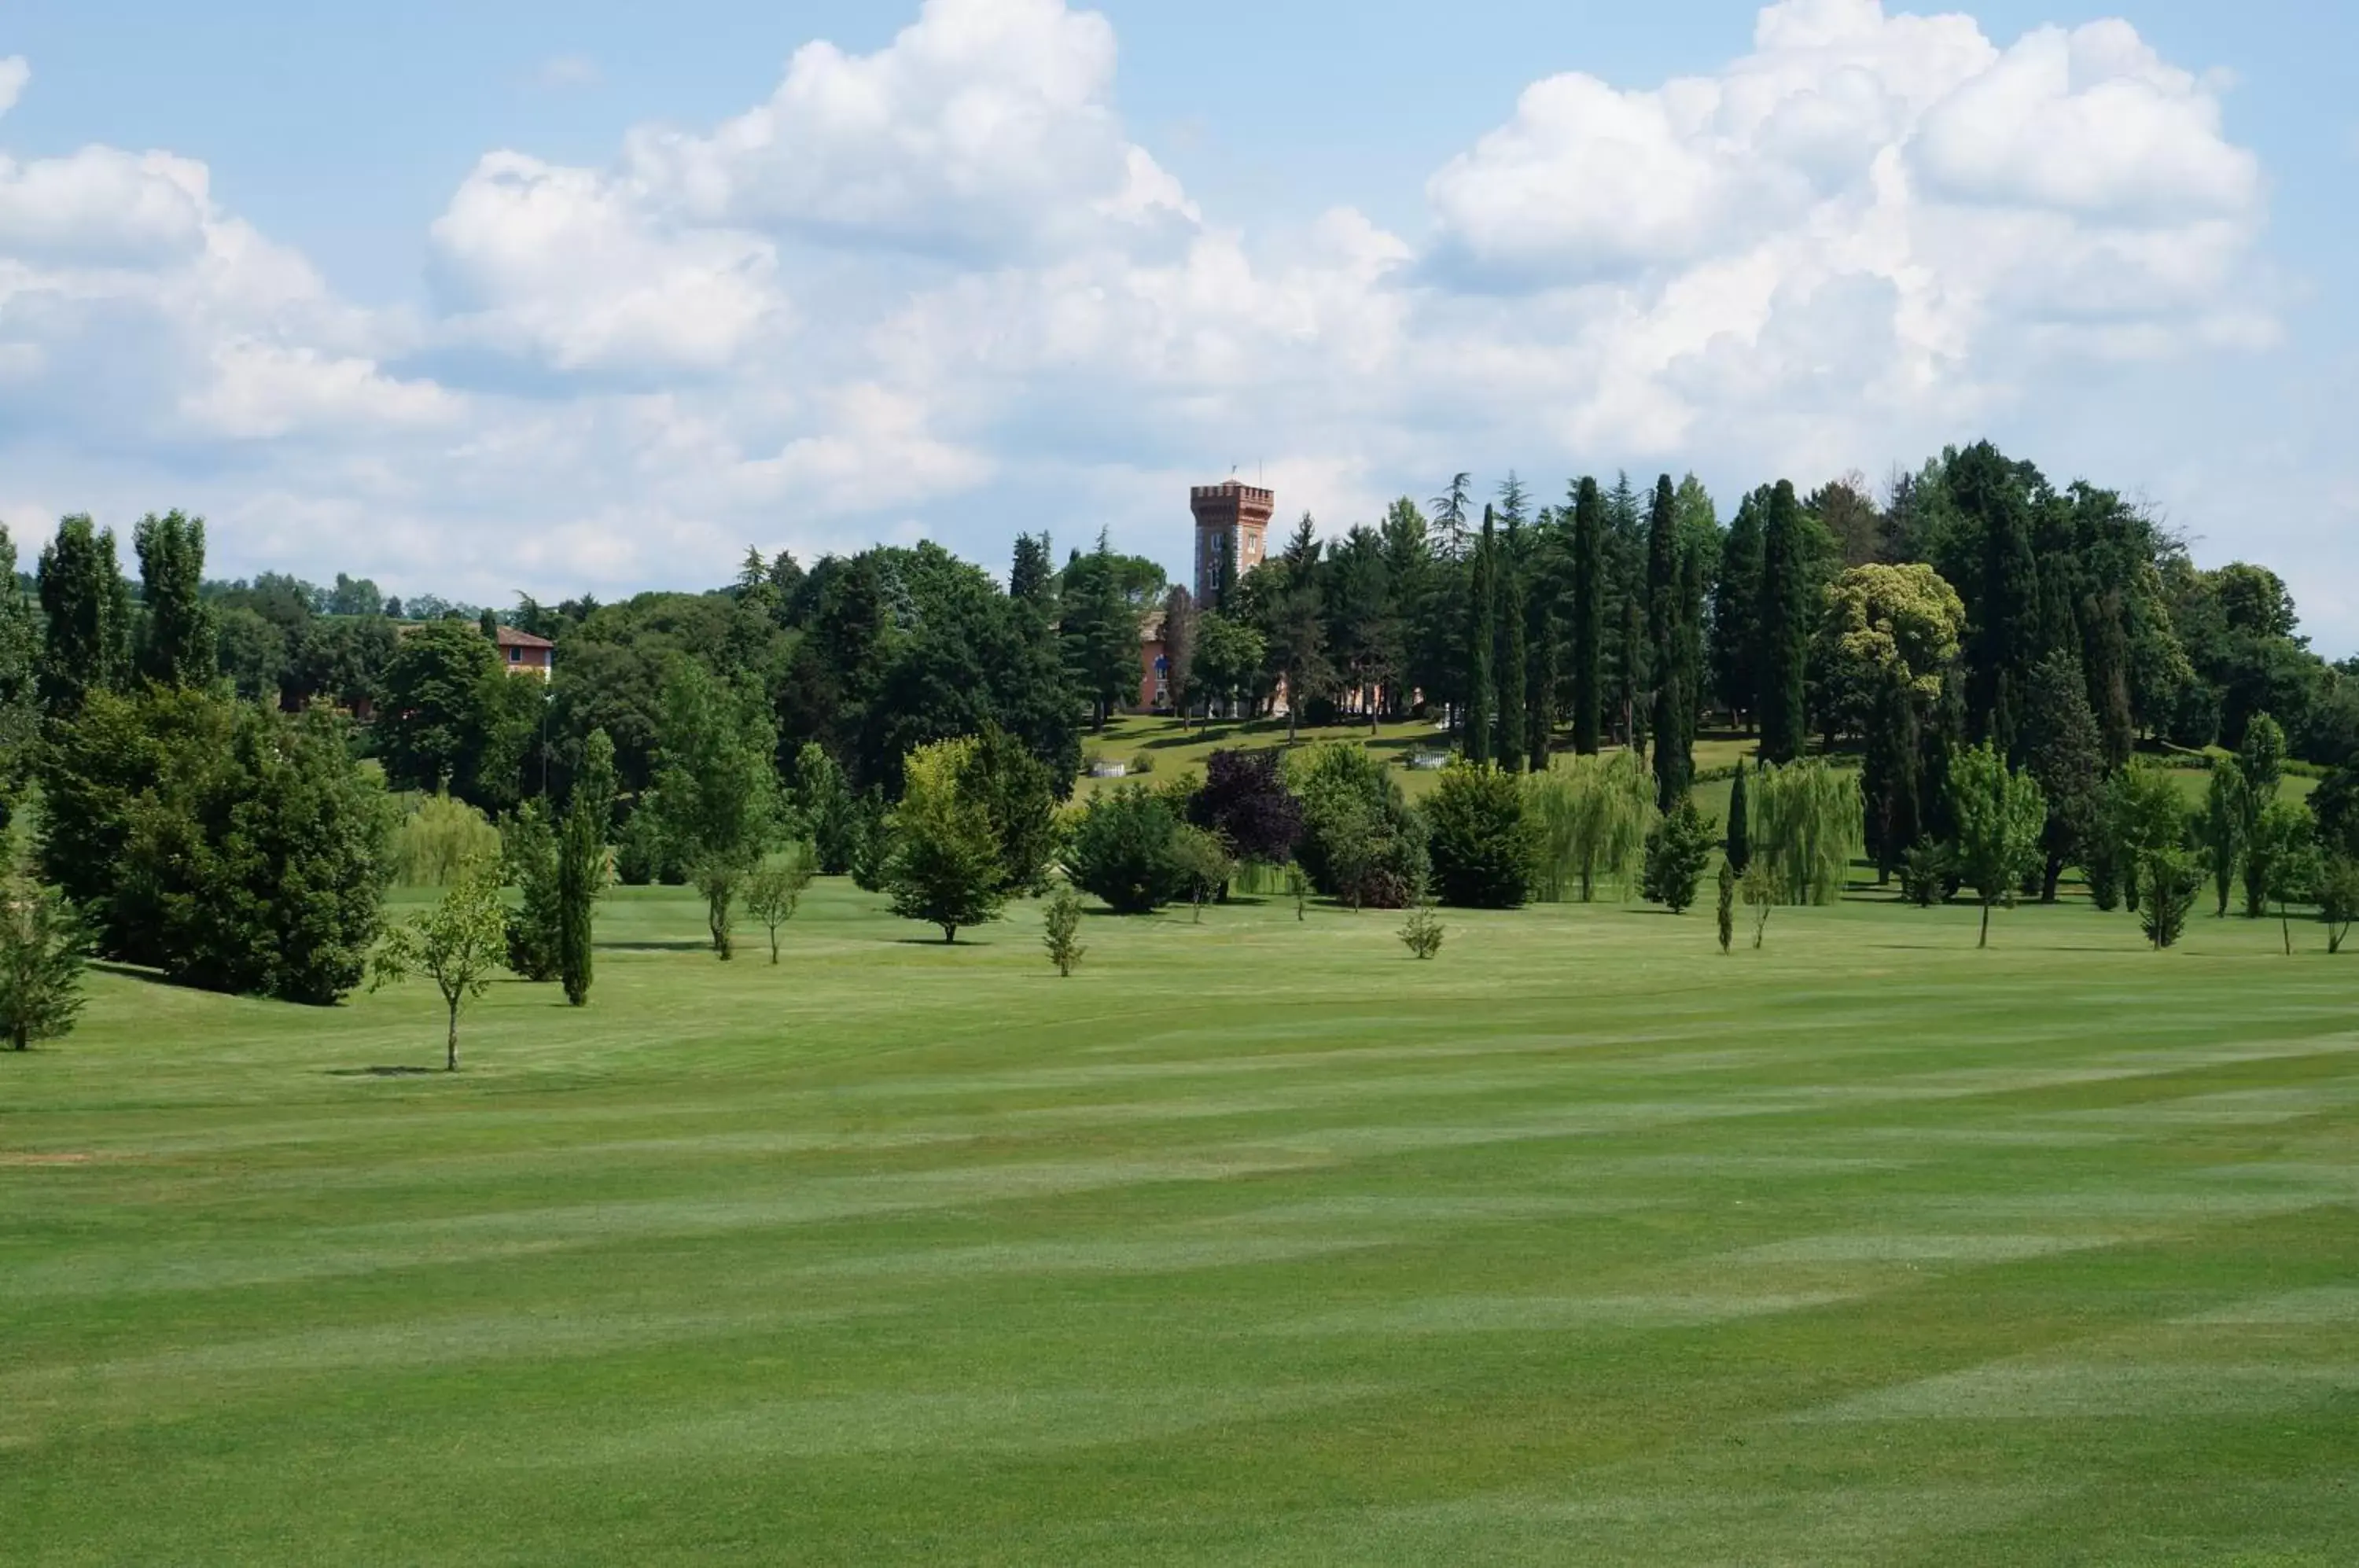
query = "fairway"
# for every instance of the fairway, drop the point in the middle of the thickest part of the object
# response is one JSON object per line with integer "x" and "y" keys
{"x": 1254, "y": 1241}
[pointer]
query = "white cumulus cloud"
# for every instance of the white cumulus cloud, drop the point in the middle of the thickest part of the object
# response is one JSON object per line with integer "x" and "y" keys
{"x": 942, "y": 285}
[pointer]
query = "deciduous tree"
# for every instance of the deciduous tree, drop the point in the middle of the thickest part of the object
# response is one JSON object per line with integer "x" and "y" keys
{"x": 2001, "y": 815}
{"x": 42, "y": 944}
{"x": 947, "y": 867}
{"x": 176, "y": 645}
{"x": 86, "y": 606}
{"x": 457, "y": 944}
{"x": 774, "y": 890}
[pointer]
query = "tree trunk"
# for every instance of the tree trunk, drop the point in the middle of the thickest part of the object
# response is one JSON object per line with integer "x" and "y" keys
{"x": 949, "y": 935}
{"x": 451, "y": 1058}
{"x": 2050, "y": 875}
{"x": 1985, "y": 940}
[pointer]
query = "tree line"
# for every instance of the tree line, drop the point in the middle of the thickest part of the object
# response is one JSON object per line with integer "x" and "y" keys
{"x": 212, "y": 760}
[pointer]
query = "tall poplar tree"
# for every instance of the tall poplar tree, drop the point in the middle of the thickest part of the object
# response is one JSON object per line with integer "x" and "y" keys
{"x": 177, "y": 642}
{"x": 1482, "y": 631}
{"x": 581, "y": 863}
{"x": 1668, "y": 626}
{"x": 20, "y": 671}
{"x": 1512, "y": 644}
{"x": 1588, "y": 615}
{"x": 1785, "y": 623}
{"x": 1539, "y": 661}
{"x": 1992, "y": 497}
{"x": 1736, "y": 617}
{"x": 1891, "y": 771}
{"x": 87, "y": 646}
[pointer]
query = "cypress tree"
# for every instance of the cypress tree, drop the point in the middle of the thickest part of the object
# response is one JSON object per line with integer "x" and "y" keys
{"x": 1588, "y": 615}
{"x": 1889, "y": 773}
{"x": 1785, "y": 629}
{"x": 581, "y": 863}
{"x": 2064, "y": 752}
{"x": 1943, "y": 739}
{"x": 1032, "y": 574}
{"x": 1740, "y": 824}
{"x": 1627, "y": 714}
{"x": 1691, "y": 645}
{"x": 1224, "y": 592}
{"x": 2106, "y": 640}
{"x": 1736, "y": 617}
{"x": 20, "y": 670}
{"x": 1668, "y": 630}
{"x": 1481, "y": 631}
{"x": 1539, "y": 667}
{"x": 1514, "y": 662}
{"x": 1991, "y": 494}
{"x": 176, "y": 645}
{"x": 87, "y": 646}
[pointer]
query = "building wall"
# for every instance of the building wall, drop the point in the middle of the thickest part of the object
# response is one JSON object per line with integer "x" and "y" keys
{"x": 1239, "y": 513}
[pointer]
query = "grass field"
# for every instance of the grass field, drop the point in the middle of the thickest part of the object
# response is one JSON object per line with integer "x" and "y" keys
{"x": 1252, "y": 1242}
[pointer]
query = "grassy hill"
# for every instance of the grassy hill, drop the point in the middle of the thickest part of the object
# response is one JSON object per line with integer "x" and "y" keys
{"x": 1253, "y": 1242}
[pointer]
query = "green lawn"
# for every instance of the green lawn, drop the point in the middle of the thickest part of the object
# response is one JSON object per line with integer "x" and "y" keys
{"x": 1253, "y": 1242}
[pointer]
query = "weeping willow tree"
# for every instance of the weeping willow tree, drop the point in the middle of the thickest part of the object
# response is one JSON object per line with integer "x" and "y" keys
{"x": 1807, "y": 820}
{"x": 1594, "y": 813}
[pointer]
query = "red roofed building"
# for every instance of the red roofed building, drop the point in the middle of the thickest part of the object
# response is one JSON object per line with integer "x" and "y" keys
{"x": 525, "y": 654}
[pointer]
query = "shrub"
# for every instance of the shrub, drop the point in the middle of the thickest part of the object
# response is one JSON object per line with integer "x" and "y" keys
{"x": 42, "y": 941}
{"x": 1062, "y": 925}
{"x": 1361, "y": 844}
{"x": 437, "y": 840}
{"x": 232, "y": 847}
{"x": 1678, "y": 850}
{"x": 1928, "y": 872}
{"x": 1244, "y": 799}
{"x": 643, "y": 854}
{"x": 1124, "y": 850}
{"x": 1201, "y": 864}
{"x": 1484, "y": 847}
{"x": 2170, "y": 877}
{"x": 1422, "y": 932}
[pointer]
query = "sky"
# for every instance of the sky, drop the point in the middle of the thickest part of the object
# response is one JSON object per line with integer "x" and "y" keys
{"x": 531, "y": 297}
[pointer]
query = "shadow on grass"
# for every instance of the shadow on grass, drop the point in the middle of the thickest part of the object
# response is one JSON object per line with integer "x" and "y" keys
{"x": 131, "y": 971}
{"x": 936, "y": 942}
{"x": 384, "y": 1073}
{"x": 683, "y": 946}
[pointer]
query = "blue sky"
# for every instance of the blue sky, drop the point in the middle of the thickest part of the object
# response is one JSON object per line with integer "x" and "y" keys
{"x": 590, "y": 296}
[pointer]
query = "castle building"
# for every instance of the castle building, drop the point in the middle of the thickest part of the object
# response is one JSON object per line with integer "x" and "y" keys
{"x": 1231, "y": 513}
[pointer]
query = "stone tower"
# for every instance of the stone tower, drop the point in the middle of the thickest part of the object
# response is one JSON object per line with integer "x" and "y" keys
{"x": 1238, "y": 513}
